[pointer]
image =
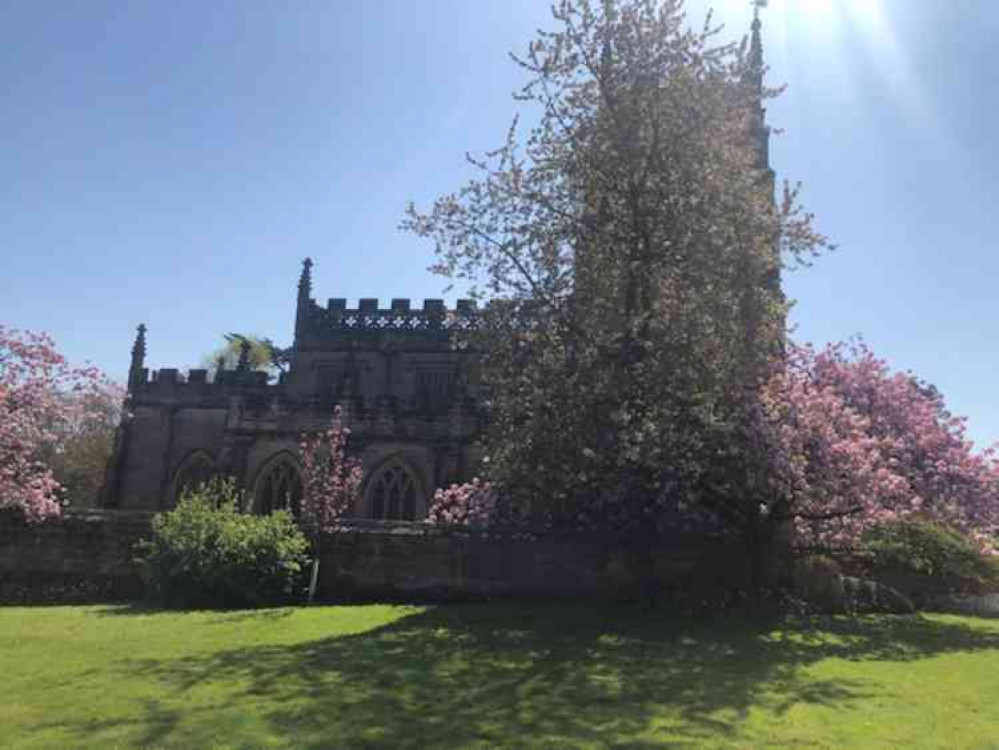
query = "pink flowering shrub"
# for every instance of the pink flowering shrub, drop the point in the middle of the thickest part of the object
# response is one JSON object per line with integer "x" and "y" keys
{"x": 331, "y": 479}
{"x": 470, "y": 504}
{"x": 42, "y": 398}
{"x": 853, "y": 445}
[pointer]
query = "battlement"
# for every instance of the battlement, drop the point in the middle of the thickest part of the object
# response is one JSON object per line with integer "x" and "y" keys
{"x": 368, "y": 305}
{"x": 399, "y": 315}
{"x": 197, "y": 379}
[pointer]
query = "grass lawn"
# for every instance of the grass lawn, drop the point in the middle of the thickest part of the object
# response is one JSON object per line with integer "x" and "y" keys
{"x": 496, "y": 675}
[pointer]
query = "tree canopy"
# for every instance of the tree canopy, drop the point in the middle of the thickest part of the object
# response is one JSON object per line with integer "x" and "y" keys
{"x": 46, "y": 406}
{"x": 631, "y": 247}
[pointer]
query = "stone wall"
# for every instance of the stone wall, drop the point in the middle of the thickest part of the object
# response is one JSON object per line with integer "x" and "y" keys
{"x": 985, "y": 605}
{"x": 419, "y": 561}
{"x": 83, "y": 555}
{"x": 91, "y": 555}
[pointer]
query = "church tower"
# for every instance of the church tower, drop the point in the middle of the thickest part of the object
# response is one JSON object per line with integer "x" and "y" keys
{"x": 590, "y": 285}
{"x": 760, "y": 135}
{"x": 760, "y": 131}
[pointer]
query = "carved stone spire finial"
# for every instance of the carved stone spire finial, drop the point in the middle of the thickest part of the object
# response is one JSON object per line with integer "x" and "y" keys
{"x": 305, "y": 281}
{"x": 754, "y": 77}
{"x": 138, "y": 357}
{"x": 244, "y": 356}
{"x": 756, "y": 44}
{"x": 219, "y": 368}
{"x": 302, "y": 310}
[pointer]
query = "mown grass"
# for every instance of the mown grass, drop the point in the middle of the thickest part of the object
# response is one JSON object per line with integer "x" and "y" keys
{"x": 496, "y": 675}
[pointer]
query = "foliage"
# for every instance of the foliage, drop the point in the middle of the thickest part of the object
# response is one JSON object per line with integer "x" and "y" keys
{"x": 574, "y": 675}
{"x": 79, "y": 459}
{"x": 263, "y": 354}
{"x": 206, "y": 552}
{"x": 926, "y": 463}
{"x": 846, "y": 445}
{"x": 469, "y": 504}
{"x": 331, "y": 479}
{"x": 632, "y": 248}
{"x": 42, "y": 402}
{"x": 932, "y": 550}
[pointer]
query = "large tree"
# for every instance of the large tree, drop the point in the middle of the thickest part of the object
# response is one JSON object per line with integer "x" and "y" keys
{"x": 631, "y": 247}
{"x": 853, "y": 444}
{"x": 42, "y": 399}
{"x": 84, "y": 440}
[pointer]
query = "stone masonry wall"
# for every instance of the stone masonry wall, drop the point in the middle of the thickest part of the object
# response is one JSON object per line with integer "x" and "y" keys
{"x": 83, "y": 555}
{"x": 92, "y": 554}
{"x": 420, "y": 561}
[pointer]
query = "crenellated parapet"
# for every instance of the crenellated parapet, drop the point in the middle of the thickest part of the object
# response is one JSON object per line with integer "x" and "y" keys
{"x": 167, "y": 378}
{"x": 431, "y": 321}
{"x": 433, "y": 317}
{"x": 404, "y": 375}
{"x": 169, "y": 387}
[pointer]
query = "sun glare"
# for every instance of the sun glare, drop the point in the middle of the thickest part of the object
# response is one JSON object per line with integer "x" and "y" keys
{"x": 838, "y": 29}
{"x": 853, "y": 41}
{"x": 829, "y": 15}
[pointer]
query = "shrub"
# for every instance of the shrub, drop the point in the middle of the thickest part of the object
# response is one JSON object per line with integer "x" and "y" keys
{"x": 932, "y": 556}
{"x": 207, "y": 553}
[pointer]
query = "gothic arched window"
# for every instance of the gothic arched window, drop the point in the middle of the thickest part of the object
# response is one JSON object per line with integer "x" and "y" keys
{"x": 196, "y": 469}
{"x": 393, "y": 493}
{"x": 278, "y": 487}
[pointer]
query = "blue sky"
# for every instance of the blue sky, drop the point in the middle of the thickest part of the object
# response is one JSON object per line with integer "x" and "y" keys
{"x": 172, "y": 163}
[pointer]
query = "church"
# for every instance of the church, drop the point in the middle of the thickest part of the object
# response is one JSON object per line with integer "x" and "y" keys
{"x": 403, "y": 375}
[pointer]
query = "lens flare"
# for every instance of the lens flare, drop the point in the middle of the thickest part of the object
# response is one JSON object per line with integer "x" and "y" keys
{"x": 839, "y": 29}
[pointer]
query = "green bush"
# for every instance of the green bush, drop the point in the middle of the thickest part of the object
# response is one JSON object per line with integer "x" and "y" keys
{"x": 943, "y": 558}
{"x": 206, "y": 553}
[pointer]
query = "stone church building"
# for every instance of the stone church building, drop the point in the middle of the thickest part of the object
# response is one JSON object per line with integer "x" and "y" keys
{"x": 401, "y": 375}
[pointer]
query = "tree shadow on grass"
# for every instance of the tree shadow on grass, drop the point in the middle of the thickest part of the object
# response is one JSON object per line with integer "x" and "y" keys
{"x": 533, "y": 674}
{"x": 218, "y": 616}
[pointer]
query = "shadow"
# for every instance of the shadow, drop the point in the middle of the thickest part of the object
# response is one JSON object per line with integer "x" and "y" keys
{"x": 220, "y": 616}
{"x": 561, "y": 674}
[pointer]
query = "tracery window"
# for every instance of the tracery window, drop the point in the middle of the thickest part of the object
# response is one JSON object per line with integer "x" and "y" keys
{"x": 279, "y": 487}
{"x": 392, "y": 494}
{"x": 194, "y": 471}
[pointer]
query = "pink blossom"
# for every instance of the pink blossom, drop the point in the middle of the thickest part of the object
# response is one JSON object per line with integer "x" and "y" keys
{"x": 853, "y": 445}
{"x": 331, "y": 478}
{"x": 470, "y": 504}
{"x": 41, "y": 399}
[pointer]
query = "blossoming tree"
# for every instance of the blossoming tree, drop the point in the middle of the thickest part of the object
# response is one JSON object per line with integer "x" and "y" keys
{"x": 331, "y": 482}
{"x": 861, "y": 445}
{"x": 42, "y": 398}
{"x": 837, "y": 444}
{"x": 331, "y": 479}
{"x": 631, "y": 247}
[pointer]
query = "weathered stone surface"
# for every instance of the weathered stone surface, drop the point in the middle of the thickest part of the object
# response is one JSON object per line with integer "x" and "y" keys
{"x": 984, "y": 605}
{"x": 404, "y": 383}
{"x": 423, "y": 561}
{"x": 95, "y": 551}
{"x": 87, "y": 551}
